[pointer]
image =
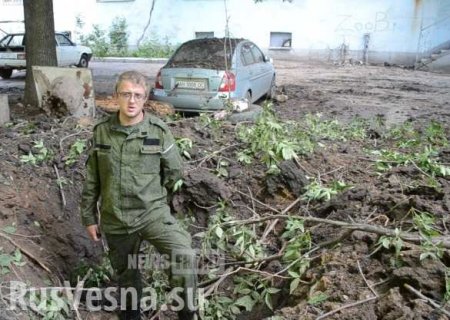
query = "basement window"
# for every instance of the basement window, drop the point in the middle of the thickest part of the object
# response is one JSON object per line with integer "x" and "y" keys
{"x": 281, "y": 40}
{"x": 204, "y": 34}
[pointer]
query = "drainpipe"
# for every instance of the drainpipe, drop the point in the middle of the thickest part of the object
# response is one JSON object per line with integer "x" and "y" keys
{"x": 416, "y": 65}
{"x": 366, "y": 48}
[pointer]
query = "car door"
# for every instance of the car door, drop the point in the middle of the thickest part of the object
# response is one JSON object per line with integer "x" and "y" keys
{"x": 263, "y": 69}
{"x": 65, "y": 51}
{"x": 247, "y": 74}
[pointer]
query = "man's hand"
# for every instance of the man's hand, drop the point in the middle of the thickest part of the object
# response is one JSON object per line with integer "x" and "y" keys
{"x": 93, "y": 232}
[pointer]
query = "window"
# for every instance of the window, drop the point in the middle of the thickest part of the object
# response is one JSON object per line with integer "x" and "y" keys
{"x": 257, "y": 54}
{"x": 246, "y": 55}
{"x": 63, "y": 41}
{"x": 16, "y": 41}
{"x": 280, "y": 40}
{"x": 204, "y": 34}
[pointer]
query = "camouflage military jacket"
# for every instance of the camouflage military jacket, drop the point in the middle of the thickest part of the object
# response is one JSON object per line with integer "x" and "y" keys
{"x": 129, "y": 169}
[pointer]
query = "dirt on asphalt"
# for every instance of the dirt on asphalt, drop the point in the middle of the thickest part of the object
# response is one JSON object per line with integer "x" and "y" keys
{"x": 48, "y": 233}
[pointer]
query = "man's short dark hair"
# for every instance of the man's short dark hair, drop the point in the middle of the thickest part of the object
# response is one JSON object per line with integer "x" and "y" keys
{"x": 133, "y": 77}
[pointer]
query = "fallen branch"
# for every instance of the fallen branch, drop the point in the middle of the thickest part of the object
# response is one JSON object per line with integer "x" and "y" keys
{"x": 266, "y": 259}
{"x": 274, "y": 223}
{"x": 346, "y": 306}
{"x": 406, "y": 236}
{"x": 365, "y": 280}
{"x": 298, "y": 163}
{"x": 211, "y": 155}
{"x": 280, "y": 254}
{"x": 63, "y": 197}
{"x": 230, "y": 271}
{"x": 259, "y": 202}
{"x": 423, "y": 172}
{"x": 26, "y": 252}
{"x": 68, "y": 136}
{"x": 217, "y": 283}
{"x": 79, "y": 287}
{"x": 428, "y": 300}
{"x": 332, "y": 242}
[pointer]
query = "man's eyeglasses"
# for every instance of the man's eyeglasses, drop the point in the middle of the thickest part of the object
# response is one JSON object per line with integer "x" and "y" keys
{"x": 129, "y": 95}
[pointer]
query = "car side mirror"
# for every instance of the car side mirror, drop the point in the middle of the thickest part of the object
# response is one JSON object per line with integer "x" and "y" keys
{"x": 267, "y": 59}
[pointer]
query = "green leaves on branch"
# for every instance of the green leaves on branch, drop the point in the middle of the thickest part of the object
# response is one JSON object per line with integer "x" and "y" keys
{"x": 76, "y": 150}
{"x": 406, "y": 136}
{"x": 242, "y": 243}
{"x": 239, "y": 242}
{"x": 423, "y": 222}
{"x": 418, "y": 149}
{"x": 8, "y": 260}
{"x": 41, "y": 154}
{"x": 425, "y": 160}
{"x": 315, "y": 191}
{"x": 273, "y": 140}
{"x": 184, "y": 146}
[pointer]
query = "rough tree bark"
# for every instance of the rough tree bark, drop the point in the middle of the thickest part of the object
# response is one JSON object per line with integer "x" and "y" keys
{"x": 40, "y": 41}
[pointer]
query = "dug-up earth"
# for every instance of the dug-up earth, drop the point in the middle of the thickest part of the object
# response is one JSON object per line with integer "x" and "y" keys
{"x": 349, "y": 275}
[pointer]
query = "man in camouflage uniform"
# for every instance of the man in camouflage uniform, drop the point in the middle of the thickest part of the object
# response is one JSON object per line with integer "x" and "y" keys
{"x": 134, "y": 161}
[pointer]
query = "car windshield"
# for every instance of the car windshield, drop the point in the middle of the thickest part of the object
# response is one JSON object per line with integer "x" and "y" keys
{"x": 204, "y": 53}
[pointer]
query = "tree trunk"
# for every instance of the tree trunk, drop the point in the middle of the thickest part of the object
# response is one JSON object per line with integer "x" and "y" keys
{"x": 40, "y": 45}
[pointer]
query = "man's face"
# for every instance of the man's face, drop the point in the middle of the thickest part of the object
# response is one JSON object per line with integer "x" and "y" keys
{"x": 131, "y": 98}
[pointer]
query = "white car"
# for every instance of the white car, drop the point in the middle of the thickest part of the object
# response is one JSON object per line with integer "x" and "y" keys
{"x": 12, "y": 53}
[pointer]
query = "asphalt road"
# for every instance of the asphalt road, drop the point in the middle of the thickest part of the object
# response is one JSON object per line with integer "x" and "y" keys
{"x": 104, "y": 75}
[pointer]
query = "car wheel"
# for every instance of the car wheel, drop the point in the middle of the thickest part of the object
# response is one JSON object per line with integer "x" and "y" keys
{"x": 6, "y": 73}
{"x": 272, "y": 90}
{"x": 250, "y": 114}
{"x": 84, "y": 62}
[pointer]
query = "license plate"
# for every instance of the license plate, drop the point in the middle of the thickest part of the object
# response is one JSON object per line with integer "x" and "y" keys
{"x": 190, "y": 84}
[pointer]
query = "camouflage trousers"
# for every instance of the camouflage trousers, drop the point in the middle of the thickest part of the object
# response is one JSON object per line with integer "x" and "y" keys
{"x": 173, "y": 243}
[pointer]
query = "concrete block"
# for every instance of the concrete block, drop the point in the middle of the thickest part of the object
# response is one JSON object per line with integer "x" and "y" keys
{"x": 4, "y": 109}
{"x": 65, "y": 91}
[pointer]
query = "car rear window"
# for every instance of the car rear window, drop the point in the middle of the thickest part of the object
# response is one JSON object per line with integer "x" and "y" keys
{"x": 205, "y": 53}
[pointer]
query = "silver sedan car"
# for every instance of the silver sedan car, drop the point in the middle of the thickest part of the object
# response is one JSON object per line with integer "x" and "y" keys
{"x": 205, "y": 74}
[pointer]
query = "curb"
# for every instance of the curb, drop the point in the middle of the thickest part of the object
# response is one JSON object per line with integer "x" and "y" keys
{"x": 129, "y": 59}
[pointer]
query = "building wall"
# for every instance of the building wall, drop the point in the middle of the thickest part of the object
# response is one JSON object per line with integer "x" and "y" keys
{"x": 319, "y": 28}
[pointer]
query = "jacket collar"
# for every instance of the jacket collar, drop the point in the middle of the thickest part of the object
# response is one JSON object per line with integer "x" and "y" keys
{"x": 140, "y": 129}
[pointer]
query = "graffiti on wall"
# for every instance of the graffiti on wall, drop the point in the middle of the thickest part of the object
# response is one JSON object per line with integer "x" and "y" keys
{"x": 380, "y": 23}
